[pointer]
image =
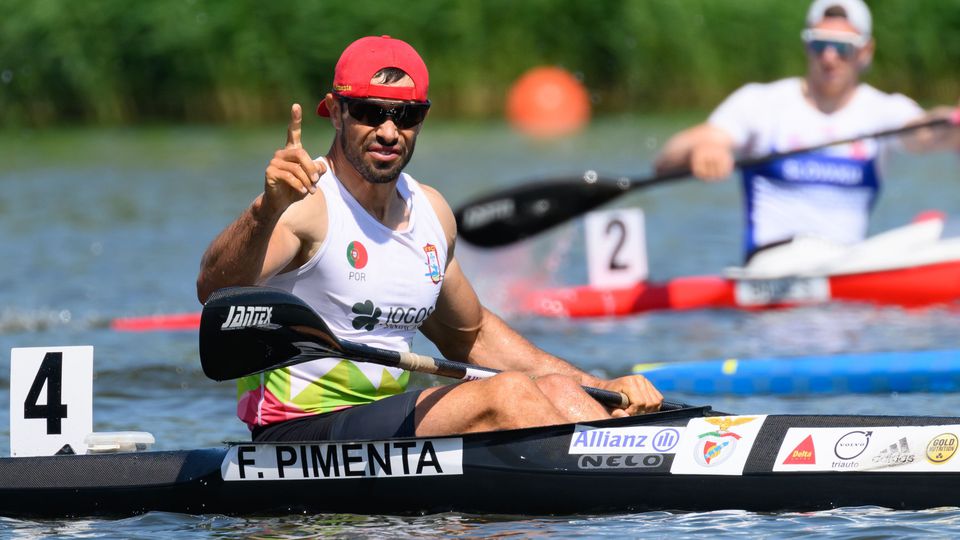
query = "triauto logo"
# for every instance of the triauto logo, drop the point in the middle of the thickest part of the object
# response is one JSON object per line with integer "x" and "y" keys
{"x": 356, "y": 255}
{"x": 852, "y": 444}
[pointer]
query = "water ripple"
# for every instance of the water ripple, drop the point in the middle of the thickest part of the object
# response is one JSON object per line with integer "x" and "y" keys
{"x": 127, "y": 240}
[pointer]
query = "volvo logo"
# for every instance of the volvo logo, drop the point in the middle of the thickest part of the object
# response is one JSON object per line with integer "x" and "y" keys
{"x": 852, "y": 444}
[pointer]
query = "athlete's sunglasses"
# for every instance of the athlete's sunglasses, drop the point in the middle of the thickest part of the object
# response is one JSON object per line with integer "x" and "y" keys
{"x": 373, "y": 113}
{"x": 846, "y": 44}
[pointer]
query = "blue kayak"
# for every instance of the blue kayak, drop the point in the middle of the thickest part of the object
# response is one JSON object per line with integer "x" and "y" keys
{"x": 880, "y": 372}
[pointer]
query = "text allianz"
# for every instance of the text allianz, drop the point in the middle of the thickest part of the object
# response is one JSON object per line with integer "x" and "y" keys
{"x": 625, "y": 440}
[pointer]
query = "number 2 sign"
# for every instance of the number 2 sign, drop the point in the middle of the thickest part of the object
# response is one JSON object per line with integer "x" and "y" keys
{"x": 616, "y": 247}
{"x": 51, "y": 399}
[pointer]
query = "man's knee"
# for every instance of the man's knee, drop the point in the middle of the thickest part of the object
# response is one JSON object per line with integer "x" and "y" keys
{"x": 513, "y": 400}
{"x": 509, "y": 386}
{"x": 558, "y": 385}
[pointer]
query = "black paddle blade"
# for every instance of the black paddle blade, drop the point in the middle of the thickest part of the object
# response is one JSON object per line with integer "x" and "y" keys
{"x": 508, "y": 216}
{"x": 246, "y": 330}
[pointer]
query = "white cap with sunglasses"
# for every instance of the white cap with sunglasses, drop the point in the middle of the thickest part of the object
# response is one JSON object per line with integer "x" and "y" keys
{"x": 856, "y": 11}
{"x": 846, "y": 43}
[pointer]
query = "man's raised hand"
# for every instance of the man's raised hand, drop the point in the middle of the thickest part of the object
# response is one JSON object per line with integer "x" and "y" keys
{"x": 291, "y": 174}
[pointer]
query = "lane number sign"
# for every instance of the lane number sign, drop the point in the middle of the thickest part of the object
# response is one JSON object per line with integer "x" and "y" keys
{"x": 51, "y": 399}
{"x": 616, "y": 247}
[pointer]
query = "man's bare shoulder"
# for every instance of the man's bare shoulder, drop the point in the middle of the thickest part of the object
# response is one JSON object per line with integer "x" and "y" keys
{"x": 443, "y": 211}
{"x": 307, "y": 218}
{"x": 440, "y": 206}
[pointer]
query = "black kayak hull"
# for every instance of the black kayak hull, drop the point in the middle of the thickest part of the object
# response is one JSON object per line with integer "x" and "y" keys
{"x": 530, "y": 472}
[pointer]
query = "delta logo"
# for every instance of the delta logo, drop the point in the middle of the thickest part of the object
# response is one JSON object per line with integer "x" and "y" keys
{"x": 357, "y": 255}
{"x": 942, "y": 448}
{"x": 803, "y": 454}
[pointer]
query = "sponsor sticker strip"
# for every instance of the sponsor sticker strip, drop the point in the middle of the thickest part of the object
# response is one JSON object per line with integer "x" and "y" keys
{"x": 717, "y": 445}
{"x": 764, "y": 292}
{"x": 625, "y": 440}
{"x": 629, "y": 461}
{"x": 881, "y": 449}
{"x": 328, "y": 461}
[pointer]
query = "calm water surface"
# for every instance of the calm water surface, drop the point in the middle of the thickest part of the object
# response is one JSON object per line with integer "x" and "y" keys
{"x": 99, "y": 224}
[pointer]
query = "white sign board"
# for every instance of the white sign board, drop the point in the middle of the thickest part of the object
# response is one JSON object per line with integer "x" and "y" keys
{"x": 51, "y": 399}
{"x": 884, "y": 449}
{"x": 717, "y": 445}
{"x": 616, "y": 247}
{"x": 792, "y": 290}
{"x": 330, "y": 461}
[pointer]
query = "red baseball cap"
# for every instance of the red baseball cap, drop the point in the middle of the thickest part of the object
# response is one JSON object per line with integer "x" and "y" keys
{"x": 363, "y": 58}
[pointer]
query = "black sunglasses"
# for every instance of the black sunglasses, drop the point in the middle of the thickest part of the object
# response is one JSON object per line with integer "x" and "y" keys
{"x": 374, "y": 113}
{"x": 843, "y": 48}
{"x": 844, "y": 43}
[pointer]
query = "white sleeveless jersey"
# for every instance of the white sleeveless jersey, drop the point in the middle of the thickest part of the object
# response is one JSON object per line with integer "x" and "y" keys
{"x": 828, "y": 193}
{"x": 372, "y": 285}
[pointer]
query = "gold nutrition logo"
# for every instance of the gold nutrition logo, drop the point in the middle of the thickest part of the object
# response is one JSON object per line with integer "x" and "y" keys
{"x": 941, "y": 448}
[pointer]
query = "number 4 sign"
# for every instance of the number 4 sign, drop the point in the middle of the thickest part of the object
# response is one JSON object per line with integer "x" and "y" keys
{"x": 51, "y": 399}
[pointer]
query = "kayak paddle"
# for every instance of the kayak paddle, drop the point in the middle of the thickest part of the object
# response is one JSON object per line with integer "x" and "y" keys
{"x": 515, "y": 213}
{"x": 247, "y": 330}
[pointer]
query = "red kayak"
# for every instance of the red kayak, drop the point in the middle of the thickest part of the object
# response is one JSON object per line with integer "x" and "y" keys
{"x": 909, "y": 287}
{"x": 162, "y": 322}
{"x": 909, "y": 266}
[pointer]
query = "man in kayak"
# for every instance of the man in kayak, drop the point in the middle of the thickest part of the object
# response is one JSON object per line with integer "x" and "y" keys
{"x": 372, "y": 251}
{"x": 828, "y": 193}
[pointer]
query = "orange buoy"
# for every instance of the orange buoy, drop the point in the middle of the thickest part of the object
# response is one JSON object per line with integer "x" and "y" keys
{"x": 548, "y": 102}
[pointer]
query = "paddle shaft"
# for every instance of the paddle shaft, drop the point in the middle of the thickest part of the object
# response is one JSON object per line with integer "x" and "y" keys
{"x": 249, "y": 330}
{"x": 953, "y": 120}
{"x": 525, "y": 210}
{"x": 455, "y": 370}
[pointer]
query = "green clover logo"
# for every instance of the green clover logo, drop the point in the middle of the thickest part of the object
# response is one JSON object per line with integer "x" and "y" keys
{"x": 368, "y": 316}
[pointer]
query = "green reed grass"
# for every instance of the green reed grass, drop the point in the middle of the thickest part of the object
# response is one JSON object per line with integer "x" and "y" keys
{"x": 244, "y": 61}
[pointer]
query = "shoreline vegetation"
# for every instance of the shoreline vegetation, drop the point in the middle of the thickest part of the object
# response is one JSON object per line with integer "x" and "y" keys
{"x": 109, "y": 62}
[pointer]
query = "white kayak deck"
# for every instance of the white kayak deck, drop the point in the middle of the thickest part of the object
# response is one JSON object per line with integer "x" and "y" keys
{"x": 916, "y": 244}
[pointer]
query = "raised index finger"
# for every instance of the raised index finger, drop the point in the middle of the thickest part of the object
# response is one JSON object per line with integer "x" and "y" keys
{"x": 293, "y": 131}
